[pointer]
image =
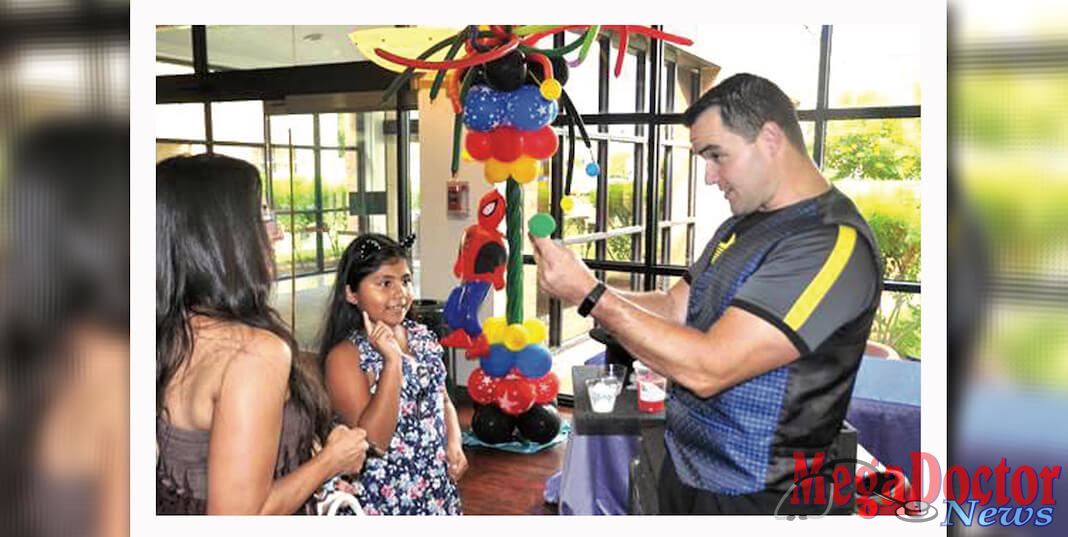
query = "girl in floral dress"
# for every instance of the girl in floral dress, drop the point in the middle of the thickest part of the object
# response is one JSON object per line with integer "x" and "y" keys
{"x": 384, "y": 373}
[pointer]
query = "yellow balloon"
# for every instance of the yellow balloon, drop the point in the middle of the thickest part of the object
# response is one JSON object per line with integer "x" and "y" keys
{"x": 516, "y": 337}
{"x": 494, "y": 329}
{"x": 465, "y": 155}
{"x": 496, "y": 171}
{"x": 525, "y": 169}
{"x": 536, "y": 329}
{"x": 551, "y": 89}
{"x": 567, "y": 203}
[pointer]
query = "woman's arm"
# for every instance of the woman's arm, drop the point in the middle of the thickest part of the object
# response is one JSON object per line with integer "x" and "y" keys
{"x": 291, "y": 491}
{"x": 350, "y": 393}
{"x": 245, "y": 434}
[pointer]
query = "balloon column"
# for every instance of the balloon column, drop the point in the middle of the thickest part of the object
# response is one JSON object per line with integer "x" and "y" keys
{"x": 506, "y": 91}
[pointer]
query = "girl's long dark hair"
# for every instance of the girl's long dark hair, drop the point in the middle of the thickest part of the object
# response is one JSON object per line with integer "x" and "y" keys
{"x": 213, "y": 258}
{"x": 361, "y": 259}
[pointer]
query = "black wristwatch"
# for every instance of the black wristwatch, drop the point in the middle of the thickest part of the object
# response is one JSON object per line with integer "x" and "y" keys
{"x": 591, "y": 299}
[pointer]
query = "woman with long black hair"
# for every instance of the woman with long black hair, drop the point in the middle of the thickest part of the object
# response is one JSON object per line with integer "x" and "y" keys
{"x": 238, "y": 418}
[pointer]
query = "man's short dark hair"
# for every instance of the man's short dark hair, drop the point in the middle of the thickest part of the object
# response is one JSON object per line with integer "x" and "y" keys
{"x": 745, "y": 103}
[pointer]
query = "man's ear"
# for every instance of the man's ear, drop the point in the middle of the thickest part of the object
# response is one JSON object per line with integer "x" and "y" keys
{"x": 351, "y": 297}
{"x": 771, "y": 137}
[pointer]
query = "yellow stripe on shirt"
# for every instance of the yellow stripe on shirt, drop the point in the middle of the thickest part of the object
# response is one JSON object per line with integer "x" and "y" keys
{"x": 825, "y": 278}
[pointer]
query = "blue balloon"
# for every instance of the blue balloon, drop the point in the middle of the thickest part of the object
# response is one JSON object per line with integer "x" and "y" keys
{"x": 484, "y": 108}
{"x": 534, "y": 361}
{"x": 528, "y": 110}
{"x": 499, "y": 362}
{"x": 593, "y": 169}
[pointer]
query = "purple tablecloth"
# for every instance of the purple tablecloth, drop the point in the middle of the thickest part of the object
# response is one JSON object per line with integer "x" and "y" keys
{"x": 594, "y": 478}
{"x": 885, "y": 410}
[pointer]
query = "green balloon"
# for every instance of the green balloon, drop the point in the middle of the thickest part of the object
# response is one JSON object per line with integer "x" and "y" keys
{"x": 542, "y": 225}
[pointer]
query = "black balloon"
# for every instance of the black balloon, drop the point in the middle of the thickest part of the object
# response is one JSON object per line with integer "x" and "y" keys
{"x": 507, "y": 73}
{"x": 478, "y": 76}
{"x": 540, "y": 424}
{"x": 560, "y": 70}
{"x": 491, "y": 425}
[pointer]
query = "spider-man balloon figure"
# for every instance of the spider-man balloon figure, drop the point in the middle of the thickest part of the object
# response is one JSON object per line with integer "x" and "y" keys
{"x": 481, "y": 262}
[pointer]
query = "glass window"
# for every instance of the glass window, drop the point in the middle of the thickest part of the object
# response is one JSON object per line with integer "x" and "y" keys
{"x": 582, "y": 218}
{"x": 303, "y": 218}
{"x": 237, "y": 121}
{"x": 166, "y": 150}
{"x": 583, "y": 81}
{"x": 312, "y": 294}
{"x": 252, "y": 155}
{"x": 896, "y": 225}
{"x": 338, "y": 168}
{"x": 339, "y": 228}
{"x": 183, "y": 121}
{"x": 304, "y": 245}
{"x": 808, "y": 130}
{"x": 664, "y": 283}
{"x": 710, "y": 208}
{"x": 303, "y": 179}
{"x": 621, "y": 200}
{"x": 878, "y": 149}
{"x": 300, "y": 125}
{"x": 788, "y": 56}
{"x": 875, "y": 65}
{"x": 535, "y": 302}
{"x": 337, "y": 130}
{"x": 627, "y": 281}
{"x": 897, "y": 324}
{"x": 622, "y": 90}
{"x": 574, "y": 325}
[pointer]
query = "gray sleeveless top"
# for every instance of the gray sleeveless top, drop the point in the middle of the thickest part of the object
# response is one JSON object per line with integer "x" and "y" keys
{"x": 182, "y": 468}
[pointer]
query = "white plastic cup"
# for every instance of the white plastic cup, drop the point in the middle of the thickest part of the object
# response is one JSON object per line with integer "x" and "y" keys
{"x": 602, "y": 392}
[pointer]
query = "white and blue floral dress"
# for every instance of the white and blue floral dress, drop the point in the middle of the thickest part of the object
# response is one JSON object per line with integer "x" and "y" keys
{"x": 412, "y": 479}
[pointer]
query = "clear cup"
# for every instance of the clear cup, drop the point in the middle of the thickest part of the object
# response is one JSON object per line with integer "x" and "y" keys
{"x": 602, "y": 392}
{"x": 652, "y": 388}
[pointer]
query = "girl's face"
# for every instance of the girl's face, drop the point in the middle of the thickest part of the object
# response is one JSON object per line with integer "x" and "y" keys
{"x": 386, "y": 294}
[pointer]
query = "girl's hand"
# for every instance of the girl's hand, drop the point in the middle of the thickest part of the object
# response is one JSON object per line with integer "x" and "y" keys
{"x": 454, "y": 451}
{"x": 384, "y": 338}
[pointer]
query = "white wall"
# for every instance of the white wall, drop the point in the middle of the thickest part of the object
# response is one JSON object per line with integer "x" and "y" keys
{"x": 440, "y": 236}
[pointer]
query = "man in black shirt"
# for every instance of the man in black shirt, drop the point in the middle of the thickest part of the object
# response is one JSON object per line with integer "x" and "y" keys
{"x": 763, "y": 337}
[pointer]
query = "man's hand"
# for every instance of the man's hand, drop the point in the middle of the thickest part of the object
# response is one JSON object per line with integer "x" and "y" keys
{"x": 560, "y": 272}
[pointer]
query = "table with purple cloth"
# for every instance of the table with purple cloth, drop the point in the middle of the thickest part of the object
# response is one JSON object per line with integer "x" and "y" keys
{"x": 594, "y": 476}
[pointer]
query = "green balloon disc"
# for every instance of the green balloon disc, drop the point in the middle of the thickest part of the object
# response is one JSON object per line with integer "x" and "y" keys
{"x": 542, "y": 225}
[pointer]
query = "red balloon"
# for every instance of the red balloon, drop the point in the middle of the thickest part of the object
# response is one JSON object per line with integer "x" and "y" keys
{"x": 546, "y": 388}
{"x": 540, "y": 144}
{"x": 478, "y": 145}
{"x": 482, "y": 387}
{"x": 515, "y": 397}
{"x": 507, "y": 144}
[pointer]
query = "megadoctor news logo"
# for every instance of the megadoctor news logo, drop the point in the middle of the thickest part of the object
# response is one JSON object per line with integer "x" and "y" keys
{"x": 875, "y": 491}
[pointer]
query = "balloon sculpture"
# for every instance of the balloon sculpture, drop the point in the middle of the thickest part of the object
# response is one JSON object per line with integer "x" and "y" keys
{"x": 480, "y": 263}
{"x": 507, "y": 92}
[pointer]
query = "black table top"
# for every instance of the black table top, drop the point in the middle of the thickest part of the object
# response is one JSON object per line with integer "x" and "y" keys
{"x": 625, "y": 418}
